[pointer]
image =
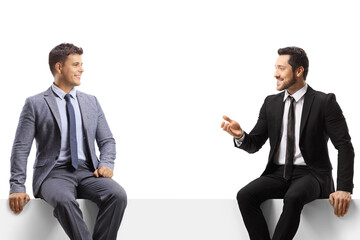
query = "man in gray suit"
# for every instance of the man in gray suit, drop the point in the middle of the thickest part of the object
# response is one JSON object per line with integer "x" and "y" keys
{"x": 65, "y": 124}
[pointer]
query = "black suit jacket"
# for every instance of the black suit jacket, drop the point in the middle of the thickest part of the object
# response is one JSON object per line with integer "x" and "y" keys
{"x": 321, "y": 119}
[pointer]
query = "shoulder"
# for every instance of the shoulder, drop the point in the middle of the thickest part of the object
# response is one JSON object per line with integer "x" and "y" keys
{"x": 321, "y": 96}
{"x": 323, "y": 102}
{"x": 88, "y": 100}
{"x": 38, "y": 98}
{"x": 85, "y": 95}
{"x": 274, "y": 98}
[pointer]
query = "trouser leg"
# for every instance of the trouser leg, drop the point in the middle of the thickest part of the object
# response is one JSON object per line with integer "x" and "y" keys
{"x": 250, "y": 198}
{"x": 59, "y": 190}
{"x": 303, "y": 189}
{"x": 111, "y": 199}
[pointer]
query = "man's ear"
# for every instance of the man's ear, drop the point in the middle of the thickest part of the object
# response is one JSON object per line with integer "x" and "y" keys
{"x": 299, "y": 71}
{"x": 58, "y": 67}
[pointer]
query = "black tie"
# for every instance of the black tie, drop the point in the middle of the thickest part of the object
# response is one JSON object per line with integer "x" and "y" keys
{"x": 290, "y": 143}
{"x": 72, "y": 132}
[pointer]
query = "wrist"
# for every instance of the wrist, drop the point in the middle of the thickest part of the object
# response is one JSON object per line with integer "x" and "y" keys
{"x": 239, "y": 137}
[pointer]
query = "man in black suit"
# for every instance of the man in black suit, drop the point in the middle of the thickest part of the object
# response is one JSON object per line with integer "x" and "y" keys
{"x": 298, "y": 123}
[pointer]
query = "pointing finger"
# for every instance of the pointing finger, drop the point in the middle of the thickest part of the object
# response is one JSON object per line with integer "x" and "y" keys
{"x": 227, "y": 118}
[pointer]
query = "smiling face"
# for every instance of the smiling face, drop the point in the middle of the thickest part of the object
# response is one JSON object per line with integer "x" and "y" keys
{"x": 284, "y": 74}
{"x": 69, "y": 75}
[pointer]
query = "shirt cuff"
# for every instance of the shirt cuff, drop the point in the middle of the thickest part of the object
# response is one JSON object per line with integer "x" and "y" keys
{"x": 345, "y": 191}
{"x": 239, "y": 141}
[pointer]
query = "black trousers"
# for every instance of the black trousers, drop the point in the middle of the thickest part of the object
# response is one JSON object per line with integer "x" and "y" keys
{"x": 64, "y": 185}
{"x": 301, "y": 189}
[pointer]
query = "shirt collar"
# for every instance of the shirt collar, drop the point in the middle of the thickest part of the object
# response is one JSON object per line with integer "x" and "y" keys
{"x": 298, "y": 94}
{"x": 61, "y": 94}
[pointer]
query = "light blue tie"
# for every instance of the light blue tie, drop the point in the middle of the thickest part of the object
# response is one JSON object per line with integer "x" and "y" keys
{"x": 72, "y": 132}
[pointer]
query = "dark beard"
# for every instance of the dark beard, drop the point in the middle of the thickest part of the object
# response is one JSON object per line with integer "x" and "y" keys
{"x": 288, "y": 84}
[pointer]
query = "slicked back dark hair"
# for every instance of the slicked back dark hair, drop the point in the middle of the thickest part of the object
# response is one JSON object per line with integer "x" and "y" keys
{"x": 297, "y": 59}
{"x": 60, "y": 54}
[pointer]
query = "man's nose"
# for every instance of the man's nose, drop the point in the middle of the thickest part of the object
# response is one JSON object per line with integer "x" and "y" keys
{"x": 276, "y": 75}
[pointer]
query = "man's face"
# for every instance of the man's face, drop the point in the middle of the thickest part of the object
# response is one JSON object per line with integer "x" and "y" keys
{"x": 71, "y": 70}
{"x": 284, "y": 73}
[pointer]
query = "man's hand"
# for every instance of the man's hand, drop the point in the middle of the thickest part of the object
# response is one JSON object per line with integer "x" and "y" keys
{"x": 232, "y": 127}
{"x": 341, "y": 202}
{"x": 103, "y": 172}
{"x": 16, "y": 201}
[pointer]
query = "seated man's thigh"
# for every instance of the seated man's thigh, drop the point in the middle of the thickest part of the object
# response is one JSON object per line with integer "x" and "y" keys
{"x": 303, "y": 190}
{"x": 100, "y": 189}
{"x": 58, "y": 189}
{"x": 263, "y": 188}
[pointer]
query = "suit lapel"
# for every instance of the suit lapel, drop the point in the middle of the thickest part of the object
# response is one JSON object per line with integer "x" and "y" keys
{"x": 51, "y": 101}
{"x": 279, "y": 111}
{"x": 278, "y": 115}
{"x": 308, "y": 100}
{"x": 89, "y": 121}
{"x": 84, "y": 109}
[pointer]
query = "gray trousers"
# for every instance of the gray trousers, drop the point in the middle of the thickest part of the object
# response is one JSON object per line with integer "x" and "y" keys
{"x": 64, "y": 185}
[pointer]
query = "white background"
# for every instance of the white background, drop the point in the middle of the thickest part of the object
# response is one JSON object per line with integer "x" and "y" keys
{"x": 166, "y": 71}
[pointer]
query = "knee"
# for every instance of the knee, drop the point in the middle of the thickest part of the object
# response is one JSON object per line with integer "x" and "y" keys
{"x": 119, "y": 196}
{"x": 64, "y": 203}
{"x": 294, "y": 201}
{"x": 243, "y": 198}
{"x": 64, "y": 200}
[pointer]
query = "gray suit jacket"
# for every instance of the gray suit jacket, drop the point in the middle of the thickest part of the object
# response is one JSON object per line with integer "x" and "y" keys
{"x": 40, "y": 119}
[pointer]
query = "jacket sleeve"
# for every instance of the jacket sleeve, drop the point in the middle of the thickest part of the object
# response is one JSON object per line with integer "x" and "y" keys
{"x": 104, "y": 140}
{"x": 258, "y": 135}
{"x": 338, "y": 132}
{"x": 24, "y": 137}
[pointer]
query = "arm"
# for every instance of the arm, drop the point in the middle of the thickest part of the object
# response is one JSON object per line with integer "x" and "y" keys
{"x": 106, "y": 144}
{"x": 337, "y": 130}
{"x": 249, "y": 142}
{"x": 24, "y": 137}
{"x": 258, "y": 135}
